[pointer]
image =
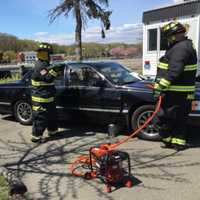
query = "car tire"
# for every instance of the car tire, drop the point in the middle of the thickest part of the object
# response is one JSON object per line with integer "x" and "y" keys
{"x": 138, "y": 118}
{"x": 23, "y": 112}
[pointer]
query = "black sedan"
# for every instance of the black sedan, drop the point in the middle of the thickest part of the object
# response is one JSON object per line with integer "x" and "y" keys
{"x": 102, "y": 91}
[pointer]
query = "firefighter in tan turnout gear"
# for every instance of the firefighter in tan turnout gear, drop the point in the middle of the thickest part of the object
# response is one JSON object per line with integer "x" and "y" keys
{"x": 43, "y": 94}
{"x": 175, "y": 81}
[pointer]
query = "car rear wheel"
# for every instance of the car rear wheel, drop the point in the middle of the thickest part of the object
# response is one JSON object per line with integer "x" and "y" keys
{"x": 23, "y": 112}
{"x": 139, "y": 117}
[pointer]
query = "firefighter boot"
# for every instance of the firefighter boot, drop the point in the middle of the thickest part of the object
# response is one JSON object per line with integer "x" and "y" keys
{"x": 36, "y": 139}
{"x": 166, "y": 143}
{"x": 179, "y": 147}
{"x": 179, "y": 144}
{"x": 53, "y": 133}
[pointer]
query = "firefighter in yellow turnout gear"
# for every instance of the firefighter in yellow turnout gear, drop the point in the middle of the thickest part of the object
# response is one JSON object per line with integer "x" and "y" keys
{"x": 43, "y": 94}
{"x": 175, "y": 81}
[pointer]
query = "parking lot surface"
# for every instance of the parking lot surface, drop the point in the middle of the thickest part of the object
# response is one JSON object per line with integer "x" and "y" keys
{"x": 44, "y": 168}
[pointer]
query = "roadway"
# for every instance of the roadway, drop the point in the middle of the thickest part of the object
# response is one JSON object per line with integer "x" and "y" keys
{"x": 44, "y": 168}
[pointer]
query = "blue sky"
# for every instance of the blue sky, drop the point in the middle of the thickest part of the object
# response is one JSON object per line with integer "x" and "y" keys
{"x": 28, "y": 19}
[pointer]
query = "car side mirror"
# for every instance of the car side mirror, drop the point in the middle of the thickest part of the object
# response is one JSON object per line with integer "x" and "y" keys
{"x": 101, "y": 82}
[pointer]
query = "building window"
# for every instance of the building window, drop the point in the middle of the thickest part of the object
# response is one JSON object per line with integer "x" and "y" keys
{"x": 163, "y": 42}
{"x": 152, "y": 39}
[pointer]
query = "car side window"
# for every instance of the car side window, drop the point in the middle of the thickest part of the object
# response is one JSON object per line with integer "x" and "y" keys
{"x": 83, "y": 76}
{"x": 75, "y": 76}
{"x": 90, "y": 77}
{"x": 59, "y": 81}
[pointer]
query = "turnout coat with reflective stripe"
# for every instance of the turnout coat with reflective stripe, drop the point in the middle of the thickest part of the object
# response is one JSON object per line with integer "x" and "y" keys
{"x": 177, "y": 68}
{"x": 43, "y": 89}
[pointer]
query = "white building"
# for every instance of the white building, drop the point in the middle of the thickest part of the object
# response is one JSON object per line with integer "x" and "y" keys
{"x": 154, "y": 45}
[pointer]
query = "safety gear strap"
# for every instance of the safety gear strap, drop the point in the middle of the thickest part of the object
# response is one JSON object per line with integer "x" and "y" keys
{"x": 42, "y": 100}
{"x": 40, "y": 83}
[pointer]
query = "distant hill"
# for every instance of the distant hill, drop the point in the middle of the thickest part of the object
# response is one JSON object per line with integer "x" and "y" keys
{"x": 10, "y": 45}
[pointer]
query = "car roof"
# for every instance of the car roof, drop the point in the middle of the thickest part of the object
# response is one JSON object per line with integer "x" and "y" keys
{"x": 90, "y": 62}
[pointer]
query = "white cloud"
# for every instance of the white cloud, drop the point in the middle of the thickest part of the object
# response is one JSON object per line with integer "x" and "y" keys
{"x": 41, "y": 34}
{"x": 178, "y": 1}
{"x": 181, "y": 1}
{"x": 127, "y": 33}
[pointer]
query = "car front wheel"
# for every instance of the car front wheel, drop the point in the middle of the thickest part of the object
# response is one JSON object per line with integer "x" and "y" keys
{"x": 139, "y": 117}
{"x": 23, "y": 112}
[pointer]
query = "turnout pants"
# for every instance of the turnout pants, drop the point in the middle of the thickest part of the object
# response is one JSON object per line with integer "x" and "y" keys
{"x": 172, "y": 118}
{"x": 44, "y": 116}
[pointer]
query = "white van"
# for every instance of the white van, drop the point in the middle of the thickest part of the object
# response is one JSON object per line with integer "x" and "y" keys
{"x": 154, "y": 44}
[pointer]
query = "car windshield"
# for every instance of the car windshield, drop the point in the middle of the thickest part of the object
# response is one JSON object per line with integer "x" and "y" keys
{"x": 116, "y": 73}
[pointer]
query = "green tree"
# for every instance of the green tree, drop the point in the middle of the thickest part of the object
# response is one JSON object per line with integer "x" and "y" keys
{"x": 9, "y": 56}
{"x": 82, "y": 11}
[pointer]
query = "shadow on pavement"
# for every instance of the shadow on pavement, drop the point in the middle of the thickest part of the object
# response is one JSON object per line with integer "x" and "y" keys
{"x": 49, "y": 162}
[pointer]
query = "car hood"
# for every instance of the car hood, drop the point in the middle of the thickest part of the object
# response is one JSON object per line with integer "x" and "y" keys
{"x": 143, "y": 85}
{"x": 146, "y": 85}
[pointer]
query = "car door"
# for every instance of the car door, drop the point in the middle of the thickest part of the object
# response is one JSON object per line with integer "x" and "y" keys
{"x": 63, "y": 101}
{"x": 99, "y": 98}
{"x": 110, "y": 102}
{"x": 11, "y": 92}
{"x": 84, "y": 80}
{"x": 79, "y": 94}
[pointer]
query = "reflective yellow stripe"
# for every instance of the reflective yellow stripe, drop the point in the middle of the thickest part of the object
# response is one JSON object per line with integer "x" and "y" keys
{"x": 156, "y": 86}
{"x": 186, "y": 68}
{"x": 190, "y": 96}
{"x": 178, "y": 141}
{"x": 166, "y": 27}
{"x": 168, "y": 139}
{"x": 42, "y": 100}
{"x": 40, "y": 83}
{"x": 181, "y": 88}
{"x": 164, "y": 82}
{"x": 35, "y": 137}
{"x": 163, "y": 65}
{"x": 190, "y": 67}
{"x": 36, "y": 108}
{"x": 53, "y": 73}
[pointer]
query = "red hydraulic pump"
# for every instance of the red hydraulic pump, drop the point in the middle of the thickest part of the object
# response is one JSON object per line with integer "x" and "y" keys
{"x": 112, "y": 166}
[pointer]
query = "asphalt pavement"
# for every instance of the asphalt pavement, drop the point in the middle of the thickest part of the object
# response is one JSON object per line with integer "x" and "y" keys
{"x": 44, "y": 168}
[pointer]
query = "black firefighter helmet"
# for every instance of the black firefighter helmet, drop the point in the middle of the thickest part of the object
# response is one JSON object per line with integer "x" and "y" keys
{"x": 173, "y": 28}
{"x": 44, "y": 46}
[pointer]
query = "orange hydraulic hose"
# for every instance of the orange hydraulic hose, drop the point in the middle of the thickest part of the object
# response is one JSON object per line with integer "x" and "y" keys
{"x": 110, "y": 147}
{"x": 141, "y": 127}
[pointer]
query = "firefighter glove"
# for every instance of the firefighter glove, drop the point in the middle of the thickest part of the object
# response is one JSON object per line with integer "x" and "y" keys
{"x": 160, "y": 87}
{"x": 157, "y": 91}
